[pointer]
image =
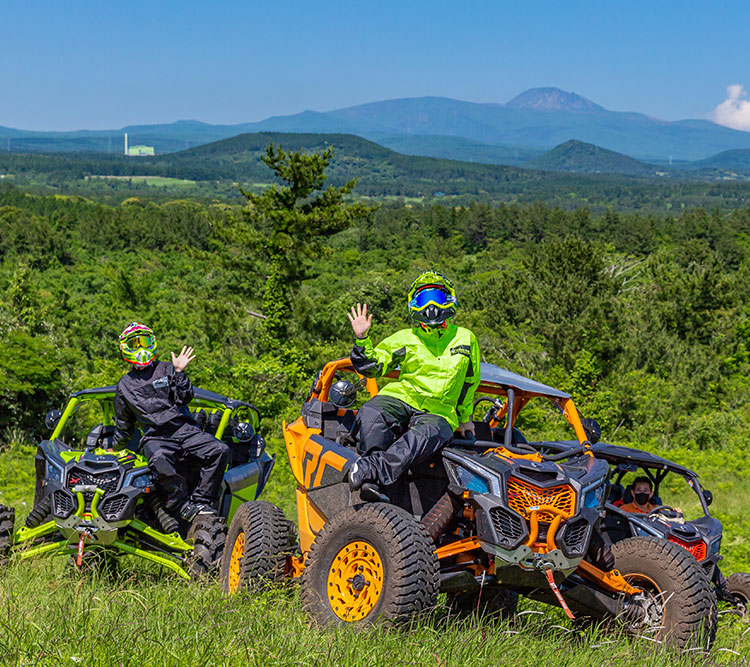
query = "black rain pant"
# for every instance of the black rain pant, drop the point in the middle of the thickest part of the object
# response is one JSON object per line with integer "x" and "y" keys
{"x": 180, "y": 456}
{"x": 393, "y": 436}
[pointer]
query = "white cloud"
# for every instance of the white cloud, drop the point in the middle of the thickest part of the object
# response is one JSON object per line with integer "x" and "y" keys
{"x": 734, "y": 111}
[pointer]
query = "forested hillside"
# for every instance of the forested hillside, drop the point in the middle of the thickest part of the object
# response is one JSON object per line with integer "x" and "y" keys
{"x": 643, "y": 318}
{"x": 212, "y": 172}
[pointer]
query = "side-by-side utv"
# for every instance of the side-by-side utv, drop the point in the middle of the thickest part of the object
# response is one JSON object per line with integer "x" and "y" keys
{"x": 95, "y": 504}
{"x": 484, "y": 521}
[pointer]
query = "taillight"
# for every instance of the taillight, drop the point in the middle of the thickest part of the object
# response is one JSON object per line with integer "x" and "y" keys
{"x": 696, "y": 548}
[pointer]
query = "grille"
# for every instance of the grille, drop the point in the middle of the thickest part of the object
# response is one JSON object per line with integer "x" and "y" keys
{"x": 575, "y": 535}
{"x": 697, "y": 548}
{"x": 112, "y": 507}
{"x": 524, "y": 498}
{"x": 507, "y": 525}
{"x": 107, "y": 481}
{"x": 63, "y": 504}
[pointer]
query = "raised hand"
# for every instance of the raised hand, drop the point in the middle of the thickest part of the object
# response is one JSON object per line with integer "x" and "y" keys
{"x": 360, "y": 320}
{"x": 181, "y": 361}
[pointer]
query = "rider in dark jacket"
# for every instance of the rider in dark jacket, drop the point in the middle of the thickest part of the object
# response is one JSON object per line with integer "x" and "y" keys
{"x": 155, "y": 395}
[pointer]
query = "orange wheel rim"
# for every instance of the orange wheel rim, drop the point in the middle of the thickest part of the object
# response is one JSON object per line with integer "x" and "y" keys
{"x": 238, "y": 551}
{"x": 355, "y": 581}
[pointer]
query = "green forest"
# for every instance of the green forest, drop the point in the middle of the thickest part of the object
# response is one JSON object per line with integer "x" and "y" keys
{"x": 642, "y": 317}
{"x": 211, "y": 173}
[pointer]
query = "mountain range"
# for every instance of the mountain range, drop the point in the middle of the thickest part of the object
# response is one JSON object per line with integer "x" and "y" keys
{"x": 513, "y": 133}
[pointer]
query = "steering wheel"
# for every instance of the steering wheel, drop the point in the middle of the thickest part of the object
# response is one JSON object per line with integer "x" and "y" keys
{"x": 666, "y": 510}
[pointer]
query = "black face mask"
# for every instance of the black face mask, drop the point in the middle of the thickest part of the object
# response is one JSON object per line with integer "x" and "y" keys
{"x": 642, "y": 498}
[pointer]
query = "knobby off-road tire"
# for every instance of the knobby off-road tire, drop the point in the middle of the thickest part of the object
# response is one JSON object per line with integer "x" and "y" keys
{"x": 7, "y": 521}
{"x": 492, "y": 601}
{"x": 208, "y": 535}
{"x": 739, "y": 586}
{"x": 371, "y": 562}
{"x": 41, "y": 513}
{"x": 257, "y": 543}
{"x": 675, "y": 581}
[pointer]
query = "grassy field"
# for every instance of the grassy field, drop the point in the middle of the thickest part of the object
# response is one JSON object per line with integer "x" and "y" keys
{"x": 50, "y": 615}
{"x": 155, "y": 181}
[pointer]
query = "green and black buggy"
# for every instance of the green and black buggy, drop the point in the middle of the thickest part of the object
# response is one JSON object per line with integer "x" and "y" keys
{"x": 95, "y": 504}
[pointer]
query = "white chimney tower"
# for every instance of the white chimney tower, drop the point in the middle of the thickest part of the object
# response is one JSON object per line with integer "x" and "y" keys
{"x": 126, "y": 143}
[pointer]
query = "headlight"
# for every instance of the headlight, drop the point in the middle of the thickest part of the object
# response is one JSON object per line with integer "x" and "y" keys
{"x": 141, "y": 481}
{"x": 593, "y": 498}
{"x": 53, "y": 473}
{"x": 472, "y": 481}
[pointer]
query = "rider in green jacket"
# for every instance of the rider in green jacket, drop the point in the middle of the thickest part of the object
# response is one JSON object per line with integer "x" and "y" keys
{"x": 413, "y": 418}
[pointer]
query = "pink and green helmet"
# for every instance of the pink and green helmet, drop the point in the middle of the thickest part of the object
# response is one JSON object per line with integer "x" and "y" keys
{"x": 138, "y": 345}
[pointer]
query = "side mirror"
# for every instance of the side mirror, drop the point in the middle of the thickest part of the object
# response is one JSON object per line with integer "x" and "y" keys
{"x": 52, "y": 418}
{"x": 708, "y": 496}
{"x": 592, "y": 429}
{"x": 342, "y": 394}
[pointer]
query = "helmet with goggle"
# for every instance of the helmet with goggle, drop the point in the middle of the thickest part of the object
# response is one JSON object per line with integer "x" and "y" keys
{"x": 432, "y": 300}
{"x": 138, "y": 345}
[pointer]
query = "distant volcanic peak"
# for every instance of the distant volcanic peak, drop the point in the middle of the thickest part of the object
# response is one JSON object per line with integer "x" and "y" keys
{"x": 552, "y": 99}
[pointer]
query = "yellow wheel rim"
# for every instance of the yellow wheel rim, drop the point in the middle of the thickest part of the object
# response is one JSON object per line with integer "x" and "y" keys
{"x": 355, "y": 581}
{"x": 238, "y": 551}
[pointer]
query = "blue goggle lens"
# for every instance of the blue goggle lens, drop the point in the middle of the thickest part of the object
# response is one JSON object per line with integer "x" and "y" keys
{"x": 425, "y": 296}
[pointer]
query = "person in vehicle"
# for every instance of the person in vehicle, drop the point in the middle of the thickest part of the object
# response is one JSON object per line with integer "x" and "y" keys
{"x": 643, "y": 491}
{"x": 155, "y": 395}
{"x": 413, "y": 418}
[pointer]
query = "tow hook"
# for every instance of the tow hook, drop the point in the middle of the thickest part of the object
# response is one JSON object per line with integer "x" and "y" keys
{"x": 86, "y": 533}
{"x": 551, "y": 581}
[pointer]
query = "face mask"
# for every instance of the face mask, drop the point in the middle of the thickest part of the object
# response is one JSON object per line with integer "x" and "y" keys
{"x": 642, "y": 498}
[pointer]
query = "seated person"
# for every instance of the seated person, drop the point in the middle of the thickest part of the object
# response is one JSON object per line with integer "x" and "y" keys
{"x": 156, "y": 394}
{"x": 413, "y": 418}
{"x": 643, "y": 491}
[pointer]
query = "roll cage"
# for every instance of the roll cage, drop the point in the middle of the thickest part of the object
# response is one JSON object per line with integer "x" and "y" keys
{"x": 208, "y": 401}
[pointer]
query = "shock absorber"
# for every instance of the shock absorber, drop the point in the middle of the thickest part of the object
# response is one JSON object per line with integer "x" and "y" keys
{"x": 438, "y": 518}
{"x": 167, "y": 522}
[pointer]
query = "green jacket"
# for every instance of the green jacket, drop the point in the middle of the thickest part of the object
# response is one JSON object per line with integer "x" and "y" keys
{"x": 439, "y": 373}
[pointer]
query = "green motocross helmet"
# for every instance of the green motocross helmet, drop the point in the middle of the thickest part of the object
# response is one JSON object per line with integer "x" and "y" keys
{"x": 432, "y": 300}
{"x": 138, "y": 345}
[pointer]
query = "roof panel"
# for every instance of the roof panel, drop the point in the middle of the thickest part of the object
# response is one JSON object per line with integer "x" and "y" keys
{"x": 495, "y": 375}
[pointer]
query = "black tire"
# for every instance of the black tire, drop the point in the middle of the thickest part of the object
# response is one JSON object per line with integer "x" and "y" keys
{"x": 677, "y": 593}
{"x": 738, "y": 585}
{"x": 389, "y": 551}
{"x": 257, "y": 544}
{"x": 41, "y": 513}
{"x": 491, "y": 601}
{"x": 208, "y": 535}
{"x": 7, "y": 522}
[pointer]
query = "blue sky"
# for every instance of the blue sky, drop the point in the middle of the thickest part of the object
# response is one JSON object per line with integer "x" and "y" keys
{"x": 95, "y": 65}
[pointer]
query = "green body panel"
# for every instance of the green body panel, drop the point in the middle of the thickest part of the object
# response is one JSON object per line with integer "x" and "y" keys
{"x": 241, "y": 496}
{"x": 68, "y": 455}
{"x": 434, "y": 369}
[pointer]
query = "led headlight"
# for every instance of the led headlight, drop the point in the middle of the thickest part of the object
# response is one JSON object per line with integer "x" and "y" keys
{"x": 140, "y": 481}
{"x": 472, "y": 481}
{"x": 53, "y": 473}
{"x": 593, "y": 497}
